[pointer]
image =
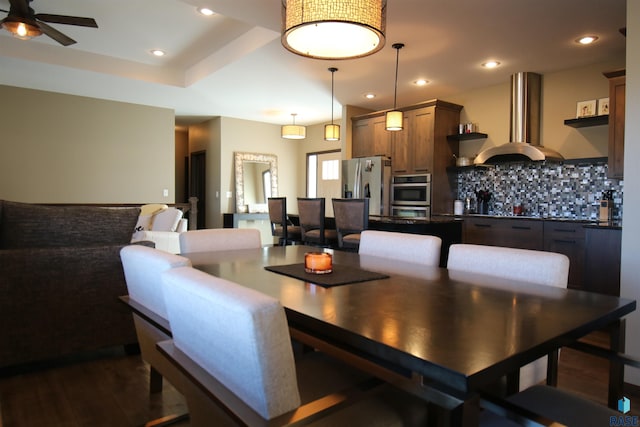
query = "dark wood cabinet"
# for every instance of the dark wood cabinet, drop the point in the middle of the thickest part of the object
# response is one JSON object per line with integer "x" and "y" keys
{"x": 593, "y": 251}
{"x": 617, "y": 83}
{"x": 370, "y": 138}
{"x": 602, "y": 260}
{"x": 511, "y": 233}
{"x": 567, "y": 238}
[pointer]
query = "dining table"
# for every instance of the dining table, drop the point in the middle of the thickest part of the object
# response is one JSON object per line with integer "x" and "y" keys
{"x": 444, "y": 335}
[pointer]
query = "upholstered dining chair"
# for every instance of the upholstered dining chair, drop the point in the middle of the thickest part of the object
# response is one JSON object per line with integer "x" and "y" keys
{"x": 352, "y": 217}
{"x": 143, "y": 267}
{"x": 537, "y": 267}
{"x": 417, "y": 248}
{"x": 235, "y": 344}
{"x": 219, "y": 239}
{"x": 280, "y": 227}
{"x": 312, "y": 225}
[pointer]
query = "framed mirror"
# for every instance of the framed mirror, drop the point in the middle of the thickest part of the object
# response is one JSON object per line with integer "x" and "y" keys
{"x": 256, "y": 181}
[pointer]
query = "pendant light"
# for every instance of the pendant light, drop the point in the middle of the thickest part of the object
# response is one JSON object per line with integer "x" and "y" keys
{"x": 293, "y": 131}
{"x": 332, "y": 132}
{"x": 393, "y": 119}
{"x": 329, "y": 29}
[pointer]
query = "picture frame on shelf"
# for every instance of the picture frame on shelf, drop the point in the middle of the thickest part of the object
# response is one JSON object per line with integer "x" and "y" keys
{"x": 586, "y": 108}
{"x": 603, "y": 106}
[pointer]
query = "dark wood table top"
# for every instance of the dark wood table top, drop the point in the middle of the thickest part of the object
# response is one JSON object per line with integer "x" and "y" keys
{"x": 456, "y": 330}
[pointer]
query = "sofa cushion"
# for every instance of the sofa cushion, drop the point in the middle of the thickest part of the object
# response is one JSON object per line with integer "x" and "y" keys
{"x": 25, "y": 225}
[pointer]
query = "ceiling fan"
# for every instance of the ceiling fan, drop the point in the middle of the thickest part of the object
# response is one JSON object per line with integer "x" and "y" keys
{"x": 24, "y": 23}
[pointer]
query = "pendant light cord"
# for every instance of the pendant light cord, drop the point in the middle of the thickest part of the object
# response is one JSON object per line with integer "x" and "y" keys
{"x": 397, "y": 47}
{"x": 333, "y": 70}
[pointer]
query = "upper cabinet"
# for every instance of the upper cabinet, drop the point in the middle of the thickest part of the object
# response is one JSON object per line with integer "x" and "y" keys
{"x": 421, "y": 147}
{"x": 617, "y": 82}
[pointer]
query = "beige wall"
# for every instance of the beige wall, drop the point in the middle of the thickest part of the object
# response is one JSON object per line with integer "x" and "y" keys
{"x": 489, "y": 108}
{"x": 70, "y": 149}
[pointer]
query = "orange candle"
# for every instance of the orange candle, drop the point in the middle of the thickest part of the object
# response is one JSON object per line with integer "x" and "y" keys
{"x": 317, "y": 262}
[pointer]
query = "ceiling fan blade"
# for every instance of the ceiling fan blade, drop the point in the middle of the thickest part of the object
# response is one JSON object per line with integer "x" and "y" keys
{"x": 20, "y": 6}
{"x": 68, "y": 20}
{"x": 56, "y": 35}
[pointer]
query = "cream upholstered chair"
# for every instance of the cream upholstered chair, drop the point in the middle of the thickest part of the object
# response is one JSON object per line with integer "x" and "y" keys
{"x": 312, "y": 225}
{"x": 280, "y": 227}
{"x": 143, "y": 267}
{"x": 235, "y": 343}
{"x": 417, "y": 248}
{"x": 219, "y": 239}
{"x": 352, "y": 217}
{"x": 538, "y": 267}
{"x": 160, "y": 224}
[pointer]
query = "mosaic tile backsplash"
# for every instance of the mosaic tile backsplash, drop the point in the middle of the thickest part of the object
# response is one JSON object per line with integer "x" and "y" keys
{"x": 547, "y": 190}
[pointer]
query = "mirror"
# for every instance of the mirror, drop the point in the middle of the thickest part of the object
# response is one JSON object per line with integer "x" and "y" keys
{"x": 256, "y": 181}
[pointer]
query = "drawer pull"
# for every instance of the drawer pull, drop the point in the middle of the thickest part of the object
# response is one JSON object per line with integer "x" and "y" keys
{"x": 520, "y": 227}
{"x": 573, "y": 242}
{"x": 483, "y": 225}
{"x": 564, "y": 230}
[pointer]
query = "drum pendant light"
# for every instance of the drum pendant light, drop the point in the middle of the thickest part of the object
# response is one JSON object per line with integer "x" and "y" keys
{"x": 393, "y": 119}
{"x": 332, "y": 132}
{"x": 293, "y": 131}
{"x": 330, "y": 29}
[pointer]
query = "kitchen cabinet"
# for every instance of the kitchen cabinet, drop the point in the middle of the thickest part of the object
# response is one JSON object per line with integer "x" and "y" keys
{"x": 511, "y": 233}
{"x": 602, "y": 260}
{"x": 421, "y": 147}
{"x": 567, "y": 238}
{"x": 617, "y": 83}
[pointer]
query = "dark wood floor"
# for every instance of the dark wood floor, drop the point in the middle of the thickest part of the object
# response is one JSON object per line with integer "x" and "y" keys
{"x": 111, "y": 389}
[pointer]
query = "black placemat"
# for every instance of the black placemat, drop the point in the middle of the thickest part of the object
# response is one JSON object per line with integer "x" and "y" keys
{"x": 341, "y": 275}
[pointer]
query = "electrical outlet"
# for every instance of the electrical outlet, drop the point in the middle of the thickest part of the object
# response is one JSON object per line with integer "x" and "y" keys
{"x": 165, "y": 192}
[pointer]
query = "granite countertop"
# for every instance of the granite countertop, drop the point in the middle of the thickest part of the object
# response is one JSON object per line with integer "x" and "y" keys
{"x": 615, "y": 225}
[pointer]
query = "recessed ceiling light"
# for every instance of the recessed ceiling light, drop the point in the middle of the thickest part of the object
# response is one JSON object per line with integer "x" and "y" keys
{"x": 490, "y": 64}
{"x": 158, "y": 52}
{"x": 369, "y": 95}
{"x": 421, "y": 82}
{"x": 587, "y": 39}
{"x": 206, "y": 11}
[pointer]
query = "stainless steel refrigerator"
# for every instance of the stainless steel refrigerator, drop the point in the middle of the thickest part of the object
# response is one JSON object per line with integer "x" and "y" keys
{"x": 368, "y": 177}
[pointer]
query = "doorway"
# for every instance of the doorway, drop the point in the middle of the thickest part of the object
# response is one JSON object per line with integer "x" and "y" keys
{"x": 323, "y": 177}
{"x": 198, "y": 179}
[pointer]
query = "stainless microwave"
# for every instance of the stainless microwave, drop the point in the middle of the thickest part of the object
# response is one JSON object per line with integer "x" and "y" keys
{"x": 411, "y": 190}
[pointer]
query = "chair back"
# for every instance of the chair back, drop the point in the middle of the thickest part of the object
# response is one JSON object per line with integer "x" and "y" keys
{"x": 311, "y": 214}
{"x": 416, "y": 248}
{"x": 219, "y": 239}
{"x": 280, "y": 223}
{"x": 143, "y": 267}
{"x": 542, "y": 268}
{"x": 167, "y": 220}
{"x": 352, "y": 217}
{"x": 240, "y": 336}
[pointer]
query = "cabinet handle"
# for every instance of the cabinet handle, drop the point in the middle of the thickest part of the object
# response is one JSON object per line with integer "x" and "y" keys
{"x": 520, "y": 227}
{"x": 564, "y": 230}
{"x": 483, "y": 225}
{"x": 573, "y": 242}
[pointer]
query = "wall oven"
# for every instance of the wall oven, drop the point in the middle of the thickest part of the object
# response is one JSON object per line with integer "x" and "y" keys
{"x": 411, "y": 196}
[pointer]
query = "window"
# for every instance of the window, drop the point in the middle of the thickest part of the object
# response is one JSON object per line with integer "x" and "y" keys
{"x": 330, "y": 170}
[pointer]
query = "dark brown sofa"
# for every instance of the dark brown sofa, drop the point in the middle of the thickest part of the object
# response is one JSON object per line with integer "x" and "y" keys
{"x": 60, "y": 278}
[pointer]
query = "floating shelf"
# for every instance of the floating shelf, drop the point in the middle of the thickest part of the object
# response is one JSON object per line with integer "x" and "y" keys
{"x": 465, "y": 136}
{"x": 587, "y": 121}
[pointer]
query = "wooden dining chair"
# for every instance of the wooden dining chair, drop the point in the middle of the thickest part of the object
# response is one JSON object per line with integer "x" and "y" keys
{"x": 312, "y": 222}
{"x": 280, "y": 224}
{"x": 417, "y": 248}
{"x": 352, "y": 217}
{"x": 235, "y": 345}
{"x": 536, "y": 267}
{"x": 143, "y": 267}
{"x": 219, "y": 239}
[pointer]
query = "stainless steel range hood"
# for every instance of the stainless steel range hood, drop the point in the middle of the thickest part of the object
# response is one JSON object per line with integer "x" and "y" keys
{"x": 526, "y": 92}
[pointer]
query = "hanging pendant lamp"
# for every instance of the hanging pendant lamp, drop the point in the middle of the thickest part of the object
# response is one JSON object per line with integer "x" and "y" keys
{"x": 293, "y": 131}
{"x": 332, "y": 132}
{"x": 393, "y": 119}
{"x": 329, "y": 29}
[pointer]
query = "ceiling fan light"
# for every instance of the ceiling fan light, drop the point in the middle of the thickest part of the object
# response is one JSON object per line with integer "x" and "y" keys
{"x": 333, "y": 29}
{"x": 23, "y": 30}
{"x": 331, "y": 132}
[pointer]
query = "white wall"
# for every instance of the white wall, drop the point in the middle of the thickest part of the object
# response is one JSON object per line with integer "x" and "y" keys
{"x": 630, "y": 280}
{"x": 68, "y": 149}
